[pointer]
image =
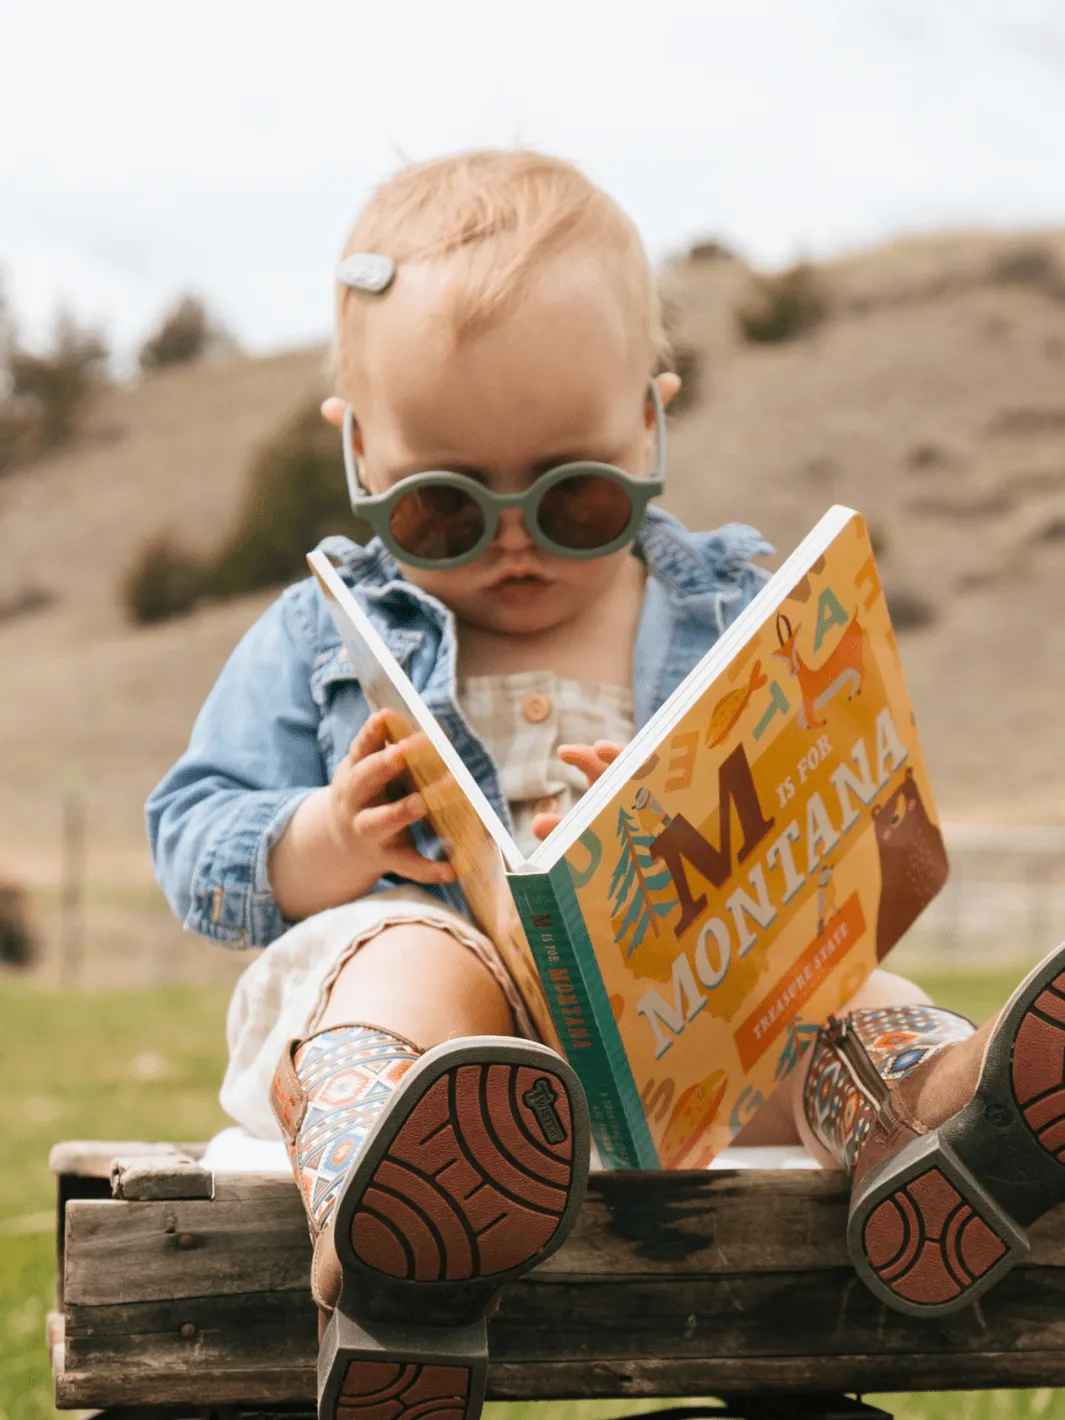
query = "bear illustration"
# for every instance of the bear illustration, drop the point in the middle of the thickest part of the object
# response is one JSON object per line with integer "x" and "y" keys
{"x": 913, "y": 862}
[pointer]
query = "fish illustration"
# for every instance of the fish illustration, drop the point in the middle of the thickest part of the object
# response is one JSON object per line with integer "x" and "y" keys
{"x": 684, "y": 1142}
{"x": 730, "y": 707}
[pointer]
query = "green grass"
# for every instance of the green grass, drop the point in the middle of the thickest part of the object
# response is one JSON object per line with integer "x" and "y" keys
{"x": 147, "y": 1065}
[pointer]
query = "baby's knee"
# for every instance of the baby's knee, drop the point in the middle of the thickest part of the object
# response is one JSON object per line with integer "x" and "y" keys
{"x": 885, "y": 988}
{"x": 422, "y": 981}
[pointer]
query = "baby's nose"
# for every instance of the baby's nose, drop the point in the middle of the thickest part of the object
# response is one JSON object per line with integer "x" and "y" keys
{"x": 512, "y": 535}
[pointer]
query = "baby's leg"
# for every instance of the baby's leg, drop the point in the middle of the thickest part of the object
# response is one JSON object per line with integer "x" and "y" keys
{"x": 437, "y": 1160}
{"x": 781, "y": 1120}
{"x": 420, "y": 982}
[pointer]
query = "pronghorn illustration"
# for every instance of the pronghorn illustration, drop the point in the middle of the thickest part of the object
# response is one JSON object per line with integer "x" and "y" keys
{"x": 818, "y": 685}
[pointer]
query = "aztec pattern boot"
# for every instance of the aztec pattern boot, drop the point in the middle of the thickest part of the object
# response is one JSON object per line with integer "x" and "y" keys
{"x": 430, "y": 1180}
{"x": 954, "y": 1137}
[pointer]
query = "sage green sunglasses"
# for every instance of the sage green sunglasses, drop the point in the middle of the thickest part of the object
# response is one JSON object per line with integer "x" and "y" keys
{"x": 440, "y": 520}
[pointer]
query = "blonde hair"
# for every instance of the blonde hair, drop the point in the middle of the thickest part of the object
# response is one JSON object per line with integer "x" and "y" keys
{"x": 506, "y": 211}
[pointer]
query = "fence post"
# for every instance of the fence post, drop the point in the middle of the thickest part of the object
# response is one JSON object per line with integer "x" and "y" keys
{"x": 72, "y": 895}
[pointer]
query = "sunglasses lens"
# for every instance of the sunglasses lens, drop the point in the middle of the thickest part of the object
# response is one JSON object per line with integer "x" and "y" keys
{"x": 584, "y": 512}
{"x": 437, "y": 522}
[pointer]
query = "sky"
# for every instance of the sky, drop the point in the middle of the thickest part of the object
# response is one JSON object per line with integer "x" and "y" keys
{"x": 225, "y": 147}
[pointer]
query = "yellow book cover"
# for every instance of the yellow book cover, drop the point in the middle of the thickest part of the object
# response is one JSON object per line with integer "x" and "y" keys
{"x": 730, "y": 881}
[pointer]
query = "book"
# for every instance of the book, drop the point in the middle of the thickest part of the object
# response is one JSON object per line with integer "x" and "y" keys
{"x": 732, "y": 878}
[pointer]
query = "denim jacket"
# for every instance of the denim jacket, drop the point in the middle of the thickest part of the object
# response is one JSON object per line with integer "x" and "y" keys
{"x": 286, "y": 707}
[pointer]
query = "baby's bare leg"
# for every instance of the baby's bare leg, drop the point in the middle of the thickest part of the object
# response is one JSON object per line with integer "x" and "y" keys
{"x": 781, "y": 1120}
{"x": 420, "y": 983}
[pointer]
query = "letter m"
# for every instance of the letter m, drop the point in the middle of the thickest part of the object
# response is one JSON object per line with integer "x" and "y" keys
{"x": 687, "y": 1002}
{"x": 680, "y": 841}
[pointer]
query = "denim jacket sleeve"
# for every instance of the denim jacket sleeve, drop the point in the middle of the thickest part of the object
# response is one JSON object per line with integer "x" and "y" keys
{"x": 215, "y": 816}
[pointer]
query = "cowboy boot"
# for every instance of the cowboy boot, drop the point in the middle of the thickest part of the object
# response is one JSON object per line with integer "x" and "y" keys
{"x": 430, "y": 1180}
{"x": 954, "y": 1137}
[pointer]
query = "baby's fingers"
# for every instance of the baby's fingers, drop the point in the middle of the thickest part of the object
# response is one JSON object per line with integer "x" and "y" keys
{"x": 385, "y": 820}
{"x": 370, "y": 776}
{"x": 590, "y": 760}
{"x": 543, "y": 824}
{"x": 371, "y": 735}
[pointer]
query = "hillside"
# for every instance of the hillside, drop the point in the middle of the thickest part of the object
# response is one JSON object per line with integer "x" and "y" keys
{"x": 932, "y": 399}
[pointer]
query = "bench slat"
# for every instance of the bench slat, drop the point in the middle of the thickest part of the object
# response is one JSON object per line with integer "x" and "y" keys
{"x": 253, "y": 1237}
{"x": 676, "y": 1284}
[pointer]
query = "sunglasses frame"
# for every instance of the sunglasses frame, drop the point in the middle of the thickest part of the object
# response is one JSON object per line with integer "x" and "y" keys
{"x": 376, "y": 508}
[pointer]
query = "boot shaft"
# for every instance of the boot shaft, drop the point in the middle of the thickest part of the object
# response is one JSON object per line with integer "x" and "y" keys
{"x": 859, "y": 1061}
{"x": 328, "y": 1092}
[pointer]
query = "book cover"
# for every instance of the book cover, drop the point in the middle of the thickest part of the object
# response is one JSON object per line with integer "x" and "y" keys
{"x": 762, "y": 859}
{"x": 732, "y": 878}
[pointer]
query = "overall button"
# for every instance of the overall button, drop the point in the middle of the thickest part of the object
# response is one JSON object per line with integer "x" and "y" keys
{"x": 536, "y": 708}
{"x": 547, "y": 805}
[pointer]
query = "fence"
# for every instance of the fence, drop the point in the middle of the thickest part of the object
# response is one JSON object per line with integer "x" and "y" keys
{"x": 1004, "y": 905}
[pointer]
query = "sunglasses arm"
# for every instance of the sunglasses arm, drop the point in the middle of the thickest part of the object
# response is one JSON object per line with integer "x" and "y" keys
{"x": 659, "y": 474}
{"x": 356, "y": 490}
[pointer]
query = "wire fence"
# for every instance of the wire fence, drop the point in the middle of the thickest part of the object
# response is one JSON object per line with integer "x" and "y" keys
{"x": 1004, "y": 904}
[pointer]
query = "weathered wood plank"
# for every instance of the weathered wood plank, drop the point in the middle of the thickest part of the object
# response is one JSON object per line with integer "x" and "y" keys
{"x": 569, "y": 1380}
{"x": 145, "y": 1177}
{"x": 759, "y": 1333}
{"x": 91, "y": 1158}
{"x": 255, "y": 1241}
{"x": 253, "y": 1236}
{"x": 763, "y": 1314}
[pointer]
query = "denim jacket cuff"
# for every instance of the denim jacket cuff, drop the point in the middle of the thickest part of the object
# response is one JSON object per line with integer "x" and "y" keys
{"x": 232, "y": 900}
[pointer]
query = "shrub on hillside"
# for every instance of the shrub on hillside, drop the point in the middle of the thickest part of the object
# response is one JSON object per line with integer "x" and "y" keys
{"x": 784, "y": 306}
{"x": 296, "y": 494}
{"x": 60, "y": 381}
{"x": 710, "y": 250}
{"x": 186, "y": 333}
{"x": 164, "y": 581}
{"x": 909, "y": 610}
{"x": 1031, "y": 264}
{"x": 45, "y": 395}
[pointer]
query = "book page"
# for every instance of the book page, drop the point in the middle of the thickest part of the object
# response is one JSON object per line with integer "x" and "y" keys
{"x": 659, "y": 726}
{"x": 460, "y": 821}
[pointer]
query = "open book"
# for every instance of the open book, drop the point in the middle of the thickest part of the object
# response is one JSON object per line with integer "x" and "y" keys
{"x": 732, "y": 878}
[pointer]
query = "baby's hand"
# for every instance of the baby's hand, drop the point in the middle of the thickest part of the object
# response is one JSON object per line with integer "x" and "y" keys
{"x": 592, "y": 760}
{"x": 370, "y": 814}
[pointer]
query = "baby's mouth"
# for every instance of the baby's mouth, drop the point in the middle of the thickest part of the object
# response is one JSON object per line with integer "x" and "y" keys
{"x": 519, "y": 577}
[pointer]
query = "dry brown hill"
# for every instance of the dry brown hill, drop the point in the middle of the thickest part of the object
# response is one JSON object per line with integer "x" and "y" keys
{"x": 932, "y": 399}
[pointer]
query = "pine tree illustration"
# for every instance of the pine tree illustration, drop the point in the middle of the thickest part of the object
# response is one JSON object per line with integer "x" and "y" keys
{"x": 636, "y": 878}
{"x": 799, "y": 1036}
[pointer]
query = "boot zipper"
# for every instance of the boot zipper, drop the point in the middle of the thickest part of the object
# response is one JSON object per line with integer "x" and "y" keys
{"x": 862, "y": 1070}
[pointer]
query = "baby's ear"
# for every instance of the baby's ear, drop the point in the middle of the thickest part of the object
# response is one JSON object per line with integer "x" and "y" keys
{"x": 668, "y": 384}
{"x": 333, "y": 411}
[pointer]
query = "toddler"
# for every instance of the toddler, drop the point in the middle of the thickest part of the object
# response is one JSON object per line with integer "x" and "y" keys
{"x": 497, "y": 320}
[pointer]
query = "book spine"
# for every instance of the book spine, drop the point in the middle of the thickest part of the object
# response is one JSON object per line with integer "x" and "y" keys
{"x": 581, "y": 1012}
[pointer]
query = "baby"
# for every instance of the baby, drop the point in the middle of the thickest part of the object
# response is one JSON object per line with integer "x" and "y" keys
{"x": 496, "y": 319}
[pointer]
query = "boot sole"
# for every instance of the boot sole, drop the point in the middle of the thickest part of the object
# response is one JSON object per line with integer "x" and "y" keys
{"x": 473, "y": 1176}
{"x": 937, "y": 1224}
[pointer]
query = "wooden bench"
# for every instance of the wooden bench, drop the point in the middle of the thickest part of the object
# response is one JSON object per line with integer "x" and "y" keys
{"x": 183, "y": 1291}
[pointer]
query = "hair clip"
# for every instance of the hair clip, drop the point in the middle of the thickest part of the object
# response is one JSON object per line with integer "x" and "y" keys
{"x": 366, "y": 271}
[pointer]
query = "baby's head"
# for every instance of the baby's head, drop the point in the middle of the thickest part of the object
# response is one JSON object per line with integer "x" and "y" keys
{"x": 520, "y": 332}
